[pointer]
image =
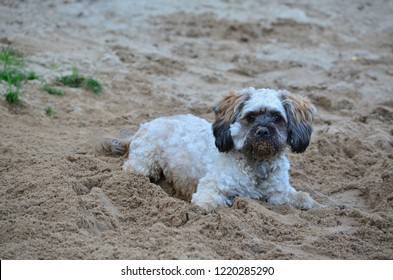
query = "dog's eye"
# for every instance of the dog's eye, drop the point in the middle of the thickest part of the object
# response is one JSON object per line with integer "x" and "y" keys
{"x": 277, "y": 118}
{"x": 251, "y": 117}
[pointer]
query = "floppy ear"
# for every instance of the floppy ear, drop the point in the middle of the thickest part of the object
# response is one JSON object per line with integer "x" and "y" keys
{"x": 300, "y": 114}
{"x": 226, "y": 112}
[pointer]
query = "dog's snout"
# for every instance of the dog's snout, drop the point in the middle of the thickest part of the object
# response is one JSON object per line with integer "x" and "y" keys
{"x": 263, "y": 131}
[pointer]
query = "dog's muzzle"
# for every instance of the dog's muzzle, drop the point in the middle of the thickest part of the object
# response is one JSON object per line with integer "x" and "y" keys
{"x": 263, "y": 142}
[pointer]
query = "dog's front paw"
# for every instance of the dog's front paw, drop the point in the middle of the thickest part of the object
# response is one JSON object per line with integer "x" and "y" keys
{"x": 303, "y": 200}
{"x": 127, "y": 166}
{"x": 205, "y": 206}
{"x": 208, "y": 202}
{"x": 208, "y": 197}
{"x": 199, "y": 210}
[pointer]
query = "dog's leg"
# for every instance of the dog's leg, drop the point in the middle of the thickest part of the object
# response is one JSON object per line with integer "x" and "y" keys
{"x": 144, "y": 167}
{"x": 142, "y": 160}
{"x": 208, "y": 196}
{"x": 301, "y": 200}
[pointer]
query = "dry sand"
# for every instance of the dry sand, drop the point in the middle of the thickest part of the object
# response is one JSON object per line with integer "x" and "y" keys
{"x": 59, "y": 199}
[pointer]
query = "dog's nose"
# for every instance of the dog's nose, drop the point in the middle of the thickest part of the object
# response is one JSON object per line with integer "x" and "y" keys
{"x": 262, "y": 131}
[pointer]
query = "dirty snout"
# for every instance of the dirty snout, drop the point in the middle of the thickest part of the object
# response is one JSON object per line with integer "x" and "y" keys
{"x": 265, "y": 139}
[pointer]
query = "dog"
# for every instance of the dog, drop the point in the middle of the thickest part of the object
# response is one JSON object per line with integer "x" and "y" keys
{"x": 242, "y": 154}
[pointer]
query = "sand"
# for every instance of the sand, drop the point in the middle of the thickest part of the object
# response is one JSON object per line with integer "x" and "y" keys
{"x": 60, "y": 199}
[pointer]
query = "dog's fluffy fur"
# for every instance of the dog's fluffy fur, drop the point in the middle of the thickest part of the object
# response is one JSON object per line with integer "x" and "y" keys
{"x": 241, "y": 154}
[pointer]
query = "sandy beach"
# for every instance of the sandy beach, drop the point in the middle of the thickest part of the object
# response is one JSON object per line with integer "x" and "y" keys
{"x": 61, "y": 199}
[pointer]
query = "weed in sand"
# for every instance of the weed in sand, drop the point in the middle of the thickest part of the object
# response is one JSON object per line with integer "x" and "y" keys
{"x": 53, "y": 90}
{"x": 13, "y": 73}
{"x": 12, "y": 95}
{"x": 32, "y": 76}
{"x": 10, "y": 58}
{"x": 77, "y": 80}
{"x": 74, "y": 80}
{"x": 13, "y": 76}
{"x": 50, "y": 111}
{"x": 93, "y": 85}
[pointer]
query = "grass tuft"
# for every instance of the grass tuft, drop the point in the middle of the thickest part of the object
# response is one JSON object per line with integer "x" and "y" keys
{"x": 53, "y": 90}
{"x": 50, "y": 111}
{"x": 13, "y": 73}
{"x": 12, "y": 94}
{"x": 32, "y": 76}
{"x": 76, "y": 80}
{"x": 13, "y": 76}
{"x": 10, "y": 57}
{"x": 12, "y": 97}
{"x": 93, "y": 85}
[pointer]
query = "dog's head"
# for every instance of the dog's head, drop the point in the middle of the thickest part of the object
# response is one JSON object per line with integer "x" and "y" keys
{"x": 261, "y": 123}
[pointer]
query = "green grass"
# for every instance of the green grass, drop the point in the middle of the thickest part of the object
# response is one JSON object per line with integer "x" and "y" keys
{"x": 50, "y": 111}
{"x": 13, "y": 72}
{"x": 13, "y": 76}
{"x": 92, "y": 85}
{"x": 16, "y": 76}
{"x": 53, "y": 90}
{"x": 12, "y": 95}
{"x": 77, "y": 80}
{"x": 11, "y": 57}
{"x": 32, "y": 76}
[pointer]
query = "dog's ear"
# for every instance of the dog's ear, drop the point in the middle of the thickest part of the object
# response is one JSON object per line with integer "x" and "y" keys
{"x": 226, "y": 112}
{"x": 300, "y": 114}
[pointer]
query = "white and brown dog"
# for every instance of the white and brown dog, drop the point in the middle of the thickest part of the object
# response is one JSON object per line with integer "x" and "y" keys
{"x": 241, "y": 154}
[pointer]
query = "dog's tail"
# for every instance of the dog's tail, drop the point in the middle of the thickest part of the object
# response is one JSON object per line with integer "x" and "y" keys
{"x": 115, "y": 146}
